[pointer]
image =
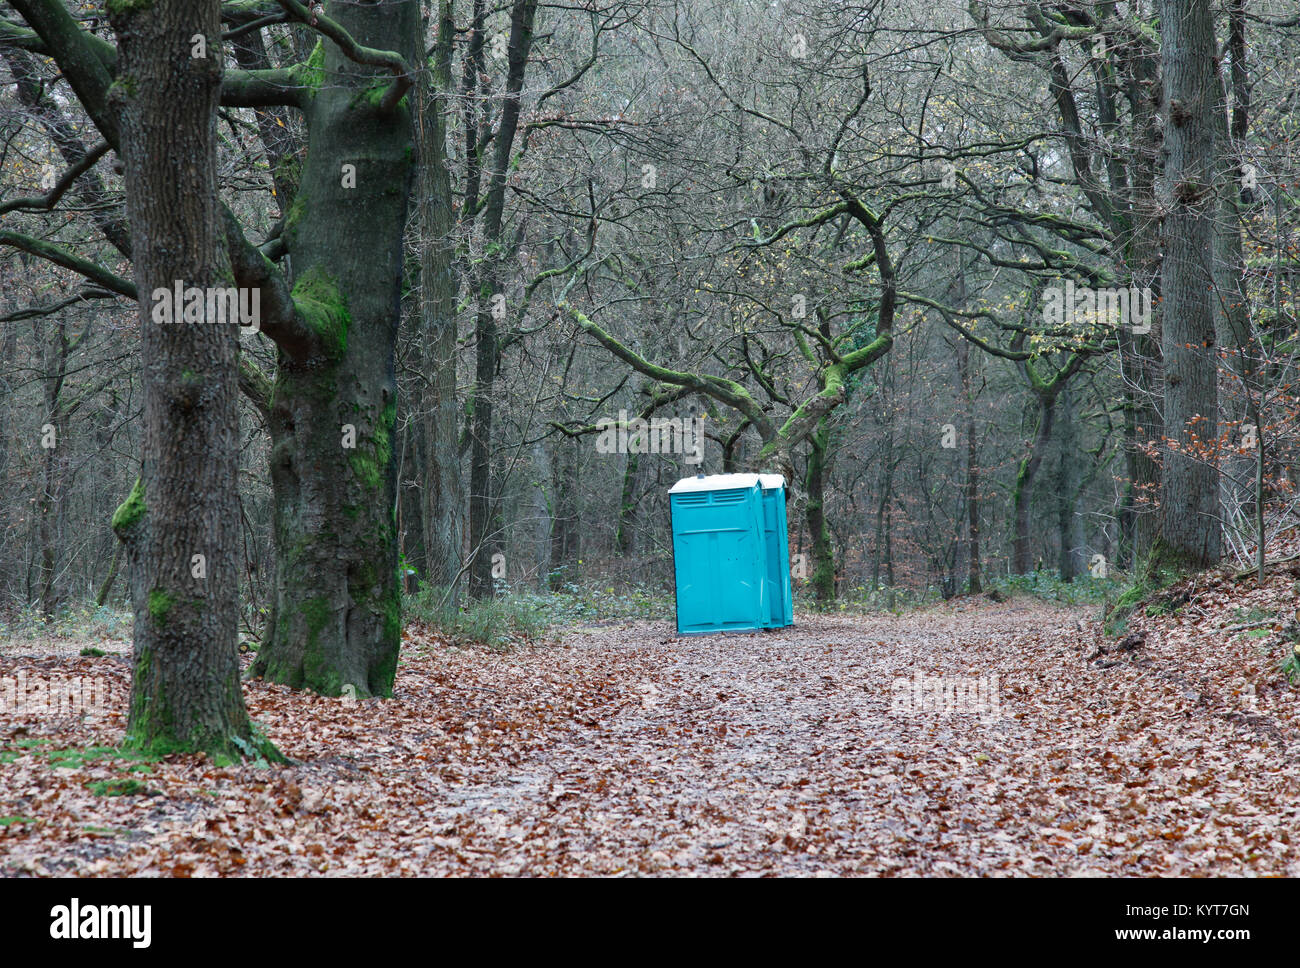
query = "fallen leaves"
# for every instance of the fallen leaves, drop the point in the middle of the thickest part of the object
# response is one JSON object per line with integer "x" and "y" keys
{"x": 626, "y": 750}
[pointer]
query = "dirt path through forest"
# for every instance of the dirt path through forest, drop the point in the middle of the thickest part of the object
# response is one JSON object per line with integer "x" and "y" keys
{"x": 963, "y": 741}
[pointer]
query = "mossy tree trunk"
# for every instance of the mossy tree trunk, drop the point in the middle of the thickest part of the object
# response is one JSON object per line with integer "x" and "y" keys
{"x": 822, "y": 578}
{"x": 1046, "y": 391}
{"x": 336, "y": 613}
{"x": 180, "y": 524}
{"x": 332, "y": 310}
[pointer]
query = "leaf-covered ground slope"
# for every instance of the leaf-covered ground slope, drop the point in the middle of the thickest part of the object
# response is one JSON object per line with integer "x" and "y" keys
{"x": 624, "y": 749}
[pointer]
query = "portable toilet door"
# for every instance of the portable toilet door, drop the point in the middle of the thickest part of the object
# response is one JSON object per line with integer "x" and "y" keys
{"x": 719, "y": 554}
{"x": 777, "y": 543}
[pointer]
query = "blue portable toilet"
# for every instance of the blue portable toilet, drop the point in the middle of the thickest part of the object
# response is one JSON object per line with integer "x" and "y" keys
{"x": 730, "y": 553}
{"x": 781, "y": 602}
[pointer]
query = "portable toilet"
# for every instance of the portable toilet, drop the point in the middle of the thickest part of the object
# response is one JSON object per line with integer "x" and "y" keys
{"x": 730, "y": 553}
{"x": 780, "y": 600}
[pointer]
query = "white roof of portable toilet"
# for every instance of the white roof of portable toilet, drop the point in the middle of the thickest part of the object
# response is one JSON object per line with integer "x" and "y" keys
{"x": 726, "y": 482}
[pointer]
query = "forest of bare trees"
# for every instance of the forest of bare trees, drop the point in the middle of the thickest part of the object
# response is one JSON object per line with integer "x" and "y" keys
{"x": 1001, "y": 288}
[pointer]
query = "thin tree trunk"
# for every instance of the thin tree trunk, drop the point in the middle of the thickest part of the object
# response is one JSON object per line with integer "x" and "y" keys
{"x": 539, "y": 510}
{"x": 564, "y": 533}
{"x": 1024, "y": 484}
{"x": 885, "y": 488}
{"x": 823, "y": 549}
{"x": 1140, "y": 357}
{"x": 8, "y": 549}
{"x": 627, "y": 507}
{"x": 480, "y": 460}
{"x": 1259, "y": 498}
{"x": 52, "y": 505}
{"x": 1067, "y": 490}
{"x": 443, "y": 490}
{"x": 974, "y": 581}
{"x": 1231, "y": 302}
{"x": 483, "y": 506}
{"x": 107, "y": 585}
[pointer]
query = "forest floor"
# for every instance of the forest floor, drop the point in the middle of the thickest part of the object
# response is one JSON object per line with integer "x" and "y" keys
{"x": 622, "y": 749}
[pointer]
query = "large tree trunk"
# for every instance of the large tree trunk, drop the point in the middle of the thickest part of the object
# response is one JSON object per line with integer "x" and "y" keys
{"x": 185, "y": 692}
{"x": 1189, "y": 526}
{"x": 336, "y": 612}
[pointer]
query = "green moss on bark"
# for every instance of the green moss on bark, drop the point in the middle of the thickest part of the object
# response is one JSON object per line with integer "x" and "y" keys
{"x": 316, "y": 611}
{"x": 373, "y": 94}
{"x": 122, "y": 7}
{"x": 393, "y": 617}
{"x": 129, "y": 512}
{"x": 318, "y": 673}
{"x": 384, "y": 434}
{"x": 311, "y": 73}
{"x": 323, "y": 308}
{"x": 321, "y": 676}
{"x": 383, "y": 674}
{"x": 370, "y": 462}
{"x": 124, "y": 86}
{"x": 366, "y": 470}
{"x": 289, "y": 170}
{"x": 297, "y": 208}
